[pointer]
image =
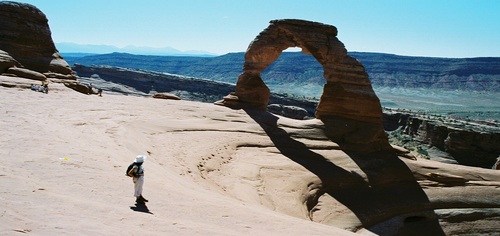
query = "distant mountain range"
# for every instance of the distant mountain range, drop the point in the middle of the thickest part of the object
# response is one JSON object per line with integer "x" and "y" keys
{"x": 466, "y": 87}
{"x": 87, "y": 49}
{"x": 296, "y": 70}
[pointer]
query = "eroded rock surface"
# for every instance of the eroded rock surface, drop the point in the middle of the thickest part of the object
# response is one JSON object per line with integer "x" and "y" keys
{"x": 25, "y": 36}
{"x": 239, "y": 161}
{"x": 348, "y": 105}
{"x": 6, "y": 61}
{"x": 466, "y": 142}
{"x": 380, "y": 192}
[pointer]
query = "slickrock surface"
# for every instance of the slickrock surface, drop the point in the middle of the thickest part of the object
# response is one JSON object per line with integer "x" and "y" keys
{"x": 216, "y": 170}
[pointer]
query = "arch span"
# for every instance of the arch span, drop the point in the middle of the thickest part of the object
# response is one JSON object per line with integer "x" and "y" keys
{"x": 348, "y": 98}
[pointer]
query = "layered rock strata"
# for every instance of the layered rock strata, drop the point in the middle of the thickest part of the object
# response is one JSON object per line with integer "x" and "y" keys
{"x": 26, "y": 42}
{"x": 471, "y": 143}
{"x": 348, "y": 105}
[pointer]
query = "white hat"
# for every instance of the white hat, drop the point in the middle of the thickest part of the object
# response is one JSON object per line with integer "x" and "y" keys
{"x": 140, "y": 158}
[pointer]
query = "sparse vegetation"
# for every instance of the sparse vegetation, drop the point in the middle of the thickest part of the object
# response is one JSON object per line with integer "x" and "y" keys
{"x": 399, "y": 138}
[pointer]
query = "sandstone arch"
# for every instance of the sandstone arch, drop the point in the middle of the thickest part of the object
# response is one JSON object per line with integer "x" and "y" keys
{"x": 348, "y": 104}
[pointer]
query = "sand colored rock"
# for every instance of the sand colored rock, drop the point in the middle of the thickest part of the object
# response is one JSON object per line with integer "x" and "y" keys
{"x": 25, "y": 35}
{"x": 26, "y": 73}
{"x": 293, "y": 112}
{"x": 166, "y": 96}
{"x": 6, "y": 61}
{"x": 214, "y": 170}
{"x": 348, "y": 104}
{"x": 346, "y": 78}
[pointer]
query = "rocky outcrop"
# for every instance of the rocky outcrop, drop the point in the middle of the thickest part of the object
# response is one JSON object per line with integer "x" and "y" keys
{"x": 144, "y": 83}
{"x": 167, "y": 96}
{"x": 472, "y": 143}
{"x": 6, "y": 61}
{"x": 293, "y": 112}
{"x": 348, "y": 105}
{"x": 25, "y": 37}
{"x": 26, "y": 73}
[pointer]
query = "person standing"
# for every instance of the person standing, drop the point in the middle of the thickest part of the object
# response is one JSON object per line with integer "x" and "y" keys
{"x": 137, "y": 174}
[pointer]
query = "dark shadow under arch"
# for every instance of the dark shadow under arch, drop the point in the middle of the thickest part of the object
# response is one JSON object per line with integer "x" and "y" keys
{"x": 391, "y": 189}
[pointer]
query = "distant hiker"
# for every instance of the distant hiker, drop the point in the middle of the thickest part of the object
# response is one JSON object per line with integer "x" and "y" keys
{"x": 99, "y": 92}
{"x": 136, "y": 171}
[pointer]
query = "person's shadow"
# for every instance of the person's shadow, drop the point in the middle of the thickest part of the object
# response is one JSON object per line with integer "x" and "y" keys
{"x": 389, "y": 190}
{"x": 141, "y": 207}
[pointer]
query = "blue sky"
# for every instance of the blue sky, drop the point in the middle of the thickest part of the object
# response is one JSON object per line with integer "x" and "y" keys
{"x": 438, "y": 28}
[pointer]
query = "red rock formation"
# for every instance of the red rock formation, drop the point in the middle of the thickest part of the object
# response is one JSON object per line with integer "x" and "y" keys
{"x": 25, "y": 35}
{"x": 348, "y": 105}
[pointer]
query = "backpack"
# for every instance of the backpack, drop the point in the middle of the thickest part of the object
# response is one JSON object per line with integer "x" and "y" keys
{"x": 129, "y": 168}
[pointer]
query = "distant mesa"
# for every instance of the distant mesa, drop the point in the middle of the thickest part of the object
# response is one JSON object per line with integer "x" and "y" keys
{"x": 348, "y": 106}
{"x": 26, "y": 46}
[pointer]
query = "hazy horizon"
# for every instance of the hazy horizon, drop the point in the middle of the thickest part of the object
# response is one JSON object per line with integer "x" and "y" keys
{"x": 169, "y": 51}
{"x": 447, "y": 28}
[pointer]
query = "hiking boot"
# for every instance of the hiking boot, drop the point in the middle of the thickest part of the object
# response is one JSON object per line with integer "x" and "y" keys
{"x": 143, "y": 199}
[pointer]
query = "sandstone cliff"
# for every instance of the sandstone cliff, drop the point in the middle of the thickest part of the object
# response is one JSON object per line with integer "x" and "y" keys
{"x": 468, "y": 142}
{"x": 26, "y": 46}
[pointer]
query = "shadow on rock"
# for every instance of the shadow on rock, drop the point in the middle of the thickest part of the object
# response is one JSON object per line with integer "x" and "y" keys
{"x": 388, "y": 201}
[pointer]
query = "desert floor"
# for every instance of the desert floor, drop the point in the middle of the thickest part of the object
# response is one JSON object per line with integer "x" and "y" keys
{"x": 64, "y": 155}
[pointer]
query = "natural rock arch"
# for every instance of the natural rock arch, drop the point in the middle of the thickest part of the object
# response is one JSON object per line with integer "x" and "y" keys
{"x": 348, "y": 105}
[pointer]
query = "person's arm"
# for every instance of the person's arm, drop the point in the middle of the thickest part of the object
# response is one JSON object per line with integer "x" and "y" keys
{"x": 132, "y": 171}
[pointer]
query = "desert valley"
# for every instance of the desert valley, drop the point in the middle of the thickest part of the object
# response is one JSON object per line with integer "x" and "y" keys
{"x": 248, "y": 156}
